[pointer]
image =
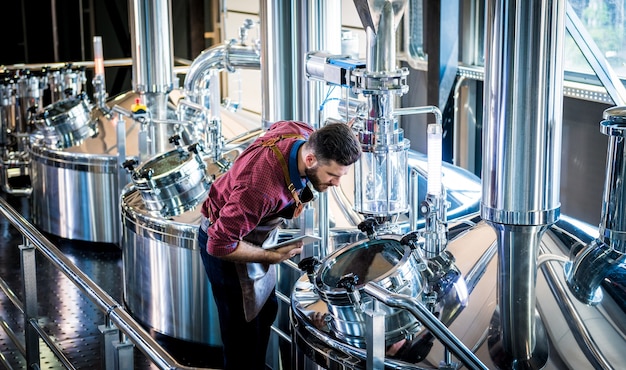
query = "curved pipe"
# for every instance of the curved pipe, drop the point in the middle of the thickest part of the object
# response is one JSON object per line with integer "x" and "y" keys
{"x": 224, "y": 56}
{"x": 429, "y": 320}
{"x": 602, "y": 256}
{"x": 589, "y": 269}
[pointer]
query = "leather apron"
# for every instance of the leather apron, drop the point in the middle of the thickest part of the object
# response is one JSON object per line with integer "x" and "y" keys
{"x": 258, "y": 280}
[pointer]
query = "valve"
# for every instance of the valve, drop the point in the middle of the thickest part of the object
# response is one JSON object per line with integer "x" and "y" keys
{"x": 174, "y": 140}
{"x": 129, "y": 164}
{"x": 349, "y": 283}
{"x": 411, "y": 239}
{"x": 308, "y": 265}
{"x": 194, "y": 148}
{"x": 368, "y": 226}
{"x": 138, "y": 107}
{"x": 147, "y": 173}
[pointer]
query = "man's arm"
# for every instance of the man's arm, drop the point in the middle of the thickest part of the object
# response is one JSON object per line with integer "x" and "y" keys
{"x": 246, "y": 252}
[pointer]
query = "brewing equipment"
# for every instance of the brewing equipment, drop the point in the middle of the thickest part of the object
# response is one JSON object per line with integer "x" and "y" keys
{"x": 516, "y": 285}
{"x": 340, "y": 279}
{"x": 66, "y": 177}
{"x": 519, "y": 241}
{"x": 160, "y": 213}
{"x": 160, "y": 248}
{"x": 66, "y": 123}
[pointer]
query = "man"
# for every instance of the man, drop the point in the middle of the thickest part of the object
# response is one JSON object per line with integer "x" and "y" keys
{"x": 266, "y": 184}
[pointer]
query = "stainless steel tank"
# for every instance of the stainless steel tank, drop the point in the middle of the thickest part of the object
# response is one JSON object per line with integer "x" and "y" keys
{"x": 165, "y": 285}
{"x": 67, "y": 174}
{"x": 579, "y": 336}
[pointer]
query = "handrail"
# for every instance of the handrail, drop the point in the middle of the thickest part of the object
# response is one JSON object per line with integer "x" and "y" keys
{"x": 437, "y": 328}
{"x": 114, "y": 311}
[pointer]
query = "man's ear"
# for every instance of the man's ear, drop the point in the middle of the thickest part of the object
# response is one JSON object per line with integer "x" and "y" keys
{"x": 310, "y": 160}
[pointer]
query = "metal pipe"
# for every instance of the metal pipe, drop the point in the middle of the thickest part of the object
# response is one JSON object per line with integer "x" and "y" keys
{"x": 277, "y": 54}
{"x": 7, "y": 187}
{"x": 613, "y": 216}
{"x": 58, "y": 353}
{"x": 152, "y": 46}
{"x": 437, "y": 328}
{"x": 218, "y": 58}
{"x": 596, "y": 356}
{"x": 605, "y": 255}
{"x": 120, "y": 62}
{"x": 153, "y": 77}
{"x": 521, "y": 157}
{"x": 414, "y": 186}
{"x": 55, "y": 30}
{"x": 321, "y": 22}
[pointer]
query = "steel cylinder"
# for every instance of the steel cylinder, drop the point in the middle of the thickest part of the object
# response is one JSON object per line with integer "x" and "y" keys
{"x": 613, "y": 221}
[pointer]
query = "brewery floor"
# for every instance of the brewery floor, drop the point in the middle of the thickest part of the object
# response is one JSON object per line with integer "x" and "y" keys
{"x": 65, "y": 313}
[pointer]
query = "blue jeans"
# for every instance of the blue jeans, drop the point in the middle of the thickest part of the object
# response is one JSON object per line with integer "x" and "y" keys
{"x": 245, "y": 343}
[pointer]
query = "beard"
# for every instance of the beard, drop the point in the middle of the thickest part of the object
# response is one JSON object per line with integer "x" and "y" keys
{"x": 311, "y": 174}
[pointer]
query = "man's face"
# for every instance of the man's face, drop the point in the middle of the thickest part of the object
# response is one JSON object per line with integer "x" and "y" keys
{"x": 323, "y": 176}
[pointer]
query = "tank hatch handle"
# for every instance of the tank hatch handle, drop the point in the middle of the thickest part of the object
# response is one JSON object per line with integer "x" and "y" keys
{"x": 411, "y": 239}
{"x": 308, "y": 265}
{"x": 368, "y": 226}
{"x": 130, "y": 164}
{"x": 349, "y": 283}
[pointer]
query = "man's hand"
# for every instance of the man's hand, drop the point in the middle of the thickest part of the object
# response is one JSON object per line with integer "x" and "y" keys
{"x": 246, "y": 252}
{"x": 289, "y": 251}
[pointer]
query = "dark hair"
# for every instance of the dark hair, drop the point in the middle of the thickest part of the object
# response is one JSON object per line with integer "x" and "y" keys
{"x": 336, "y": 142}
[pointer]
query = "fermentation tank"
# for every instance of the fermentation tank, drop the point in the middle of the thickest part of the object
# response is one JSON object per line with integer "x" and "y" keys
{"x": 161, "y": 259}
{"x": 67, "y": 173}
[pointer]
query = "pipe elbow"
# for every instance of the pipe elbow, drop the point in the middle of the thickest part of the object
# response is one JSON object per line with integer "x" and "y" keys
{"x": 217, "y": 58}
{"x": 591, "y": 265}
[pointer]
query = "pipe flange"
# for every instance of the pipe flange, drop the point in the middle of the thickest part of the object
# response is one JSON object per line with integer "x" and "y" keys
{"x": 380, "y": 83}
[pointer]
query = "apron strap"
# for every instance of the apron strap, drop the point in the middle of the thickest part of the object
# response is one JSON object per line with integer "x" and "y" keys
{"x": 271, "y": 143}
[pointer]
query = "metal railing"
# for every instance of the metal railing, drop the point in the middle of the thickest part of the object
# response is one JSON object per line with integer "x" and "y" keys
{"x": 119, "y": 327}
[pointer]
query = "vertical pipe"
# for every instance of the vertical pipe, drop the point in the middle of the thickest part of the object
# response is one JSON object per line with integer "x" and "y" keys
{"x": 153, "y": 67}
{"x": 321, "y": 25}
{"x": 81, "y": 28}
{"x": 613, "y": 217}
{"x": 322, "y": 22}
{"x": 152, "y": 46}
{"x": 55, "y": 30}
{"x": 278, "y": 97}
{"x": 521, "y": 157}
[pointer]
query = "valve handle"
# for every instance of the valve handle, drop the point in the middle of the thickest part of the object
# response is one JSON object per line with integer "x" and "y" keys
{"x": 147, "y": 174}
{"x": 348, "y": 282}
{"x": 368, "y": 226}
{"x": 129, "y": 164}
{"x": 174, "y": 140}
{"x": 193, "y": 148}
{"x": 410, "y": 239}
{"x": 308, "y": 264}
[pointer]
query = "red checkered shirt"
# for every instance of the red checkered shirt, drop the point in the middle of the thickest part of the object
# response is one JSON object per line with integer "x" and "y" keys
{"x": 252, "y": 190}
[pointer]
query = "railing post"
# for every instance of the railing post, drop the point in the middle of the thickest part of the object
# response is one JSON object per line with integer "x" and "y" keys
{"x": 108, "y": 334}
{"x": 116, "y": 354}
{"x": 29, "y": 278}
{"x": 124, "y": 356}
{"x": 375, "y": 337}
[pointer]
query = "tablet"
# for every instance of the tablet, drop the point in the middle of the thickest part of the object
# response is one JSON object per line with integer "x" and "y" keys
{"x": 306, "y": 239}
